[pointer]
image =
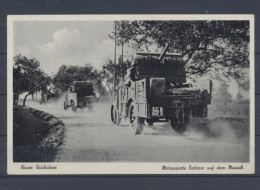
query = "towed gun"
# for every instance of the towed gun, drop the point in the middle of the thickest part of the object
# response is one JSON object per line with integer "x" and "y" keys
{"x": 160, "y": 55}
{"x": 163, "y": 53}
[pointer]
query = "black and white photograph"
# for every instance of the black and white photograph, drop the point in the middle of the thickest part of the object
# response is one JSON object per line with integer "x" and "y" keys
{"x": 131, "y": 94}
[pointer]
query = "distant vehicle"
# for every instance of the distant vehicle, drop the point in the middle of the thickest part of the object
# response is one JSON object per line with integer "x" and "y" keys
{"x": 80, "y": 94}
{"x": 155, "y": 89}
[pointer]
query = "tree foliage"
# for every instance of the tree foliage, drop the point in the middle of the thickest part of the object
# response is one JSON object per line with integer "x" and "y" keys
{"x": 109, "y": 69}
{"x": 67, "y": 74}
{"x": 28, "y": 77}
{"x": 207, "y": 46}
{"x": 245, "y": 85}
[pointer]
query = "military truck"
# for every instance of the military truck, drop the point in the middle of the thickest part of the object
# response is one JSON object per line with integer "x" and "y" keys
{"x": 80, "y": 94}
{"x": 154, "y": 90}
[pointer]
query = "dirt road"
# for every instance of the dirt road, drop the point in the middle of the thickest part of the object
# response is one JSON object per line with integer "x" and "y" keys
{"x": 90, "y": 137}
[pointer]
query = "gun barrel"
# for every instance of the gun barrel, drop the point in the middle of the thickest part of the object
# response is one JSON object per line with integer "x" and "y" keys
{"x": 163, "y": 53}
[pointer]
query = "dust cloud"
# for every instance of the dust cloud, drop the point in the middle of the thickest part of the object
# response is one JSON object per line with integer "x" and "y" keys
{"x": 229, "y": 130}
{"x": 99, "y": 114}
{"x": 220, "y": 129}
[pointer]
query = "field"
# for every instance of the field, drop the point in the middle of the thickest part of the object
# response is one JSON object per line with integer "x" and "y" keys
{"x": 228, "y": 121}
{"x": 231, "y": 109}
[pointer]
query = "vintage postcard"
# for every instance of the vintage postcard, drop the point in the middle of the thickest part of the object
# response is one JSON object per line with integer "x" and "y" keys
{"x": 131, "y": 94}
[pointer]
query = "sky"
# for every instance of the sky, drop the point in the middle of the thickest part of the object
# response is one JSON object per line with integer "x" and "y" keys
{"x": 55, "y": 43}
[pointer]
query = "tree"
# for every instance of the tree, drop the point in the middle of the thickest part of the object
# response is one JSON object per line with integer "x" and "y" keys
{"x": 245, "y": 85}
{"x": 28, "y": 77}
{"x": 110, "y": 69}
{"x": 67, "y": 74}
{"x": 207, "y": 46}
{"x": 18, "y": 82}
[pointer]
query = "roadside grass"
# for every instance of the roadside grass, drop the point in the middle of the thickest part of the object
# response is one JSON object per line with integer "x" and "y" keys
{"x": 226, "y": 122}
{"x": 34, "y": 139}
{"x": 231, "y": 109}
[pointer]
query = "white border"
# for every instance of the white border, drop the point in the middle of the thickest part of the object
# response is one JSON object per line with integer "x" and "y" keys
{"x": 123, "y": 168}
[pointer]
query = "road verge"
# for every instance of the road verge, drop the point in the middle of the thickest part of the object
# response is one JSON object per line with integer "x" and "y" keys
{"x": 37, "y": 135}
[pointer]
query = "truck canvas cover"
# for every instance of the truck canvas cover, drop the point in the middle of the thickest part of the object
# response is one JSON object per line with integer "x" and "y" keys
{"x": 83, "y": 88}
{"x": 171, "y": 67}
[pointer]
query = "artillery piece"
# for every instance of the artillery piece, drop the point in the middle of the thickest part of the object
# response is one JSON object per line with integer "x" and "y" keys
{"x": 155, "y": 89}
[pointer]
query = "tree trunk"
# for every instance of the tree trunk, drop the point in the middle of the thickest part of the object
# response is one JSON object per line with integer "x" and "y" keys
{"x": 24, "y": 100}
{"x": 32, "y": 96}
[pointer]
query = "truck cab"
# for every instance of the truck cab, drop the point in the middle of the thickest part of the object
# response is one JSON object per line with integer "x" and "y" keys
{"x": 80, "y": 94}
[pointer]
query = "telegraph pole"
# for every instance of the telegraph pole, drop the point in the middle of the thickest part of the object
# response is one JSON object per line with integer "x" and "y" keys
{"x": 122, "y": 60}
{"x": 114, "y": 74}
{"x": 115, "y": 42}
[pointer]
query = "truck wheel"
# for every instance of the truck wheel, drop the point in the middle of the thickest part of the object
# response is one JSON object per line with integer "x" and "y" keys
{"x": 116, "y": 116}
{"x": 74, "y": 108}
{"x": 178, "y": 127}
{"x": 150, "y": 122}
{"x": 113, "y": 114}
{"x": 65, "y": 106}
{"x": 136, "y": 122}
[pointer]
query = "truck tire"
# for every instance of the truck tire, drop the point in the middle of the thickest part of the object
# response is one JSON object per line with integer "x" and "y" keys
{"x": 113, "y": 114}
{"x": 136, "y": 122}
{"x": 181, "y": 127}
{"x": 65, "y": 106}
{"x": 178, "y": 127}
{"x": 74, "y": 108}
